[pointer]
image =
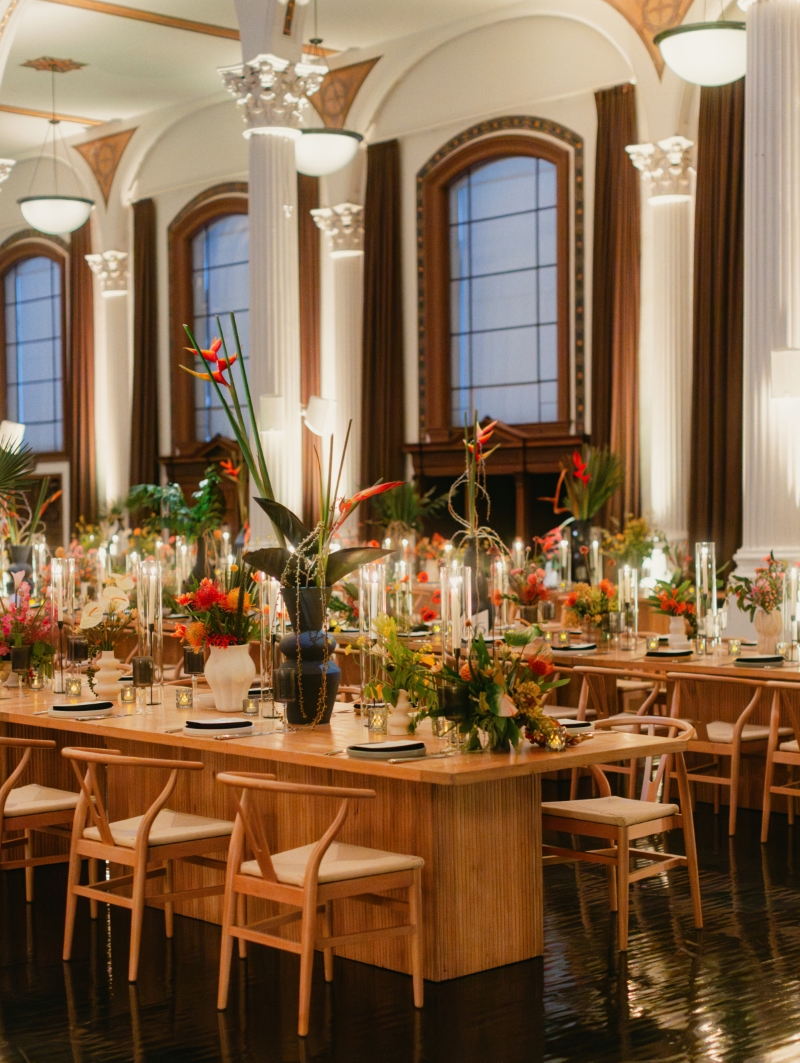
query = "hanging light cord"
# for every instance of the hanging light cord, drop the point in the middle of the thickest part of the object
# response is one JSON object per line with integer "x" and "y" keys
{"x": 56, "y": 124}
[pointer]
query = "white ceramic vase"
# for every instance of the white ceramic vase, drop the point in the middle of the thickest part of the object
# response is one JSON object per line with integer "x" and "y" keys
{"x": 677, "y": 633}
{"x": 229, "y": 671}
{"x": 769, "y": 627}
{"x": 431, "y": 568}
{"x": 400, "y": 717}
{"x": 106, "y": 678}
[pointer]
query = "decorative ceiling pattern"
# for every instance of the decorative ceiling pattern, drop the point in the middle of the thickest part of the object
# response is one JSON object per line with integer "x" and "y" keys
{"x": 338, "y": 90}
{"x": 649, "y": 18}
{"x": 103, "y": 156}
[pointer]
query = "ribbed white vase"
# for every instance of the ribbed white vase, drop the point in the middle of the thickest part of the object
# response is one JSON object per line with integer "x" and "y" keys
{"x": 229, "y": 671}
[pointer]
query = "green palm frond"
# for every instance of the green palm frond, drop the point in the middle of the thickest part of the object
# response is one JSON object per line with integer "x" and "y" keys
{"x": 16, "y": 467}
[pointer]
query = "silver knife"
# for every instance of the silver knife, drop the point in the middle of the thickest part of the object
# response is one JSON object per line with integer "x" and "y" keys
{"x": 254, "y": 734}
{"x": 408, "y": 760}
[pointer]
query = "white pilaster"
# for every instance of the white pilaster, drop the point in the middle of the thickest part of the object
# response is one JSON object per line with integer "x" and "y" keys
{"x": 771, "y": 280}
{"x": 666, "y": 348}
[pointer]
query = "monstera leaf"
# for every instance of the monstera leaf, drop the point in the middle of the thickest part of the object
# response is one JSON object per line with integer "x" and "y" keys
{"x": 272, "y": 560}
{"x": 345, "y": 561}
{"x": 290, "y": 525}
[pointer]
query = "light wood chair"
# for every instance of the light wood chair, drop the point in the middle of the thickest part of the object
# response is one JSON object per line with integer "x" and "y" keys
{"x": 722, "y": 739}
{"x": 310, "y": 879}
{"x": 622, "y": 820}
{"x": 778, "y": 752}
{"x": 149, "y": 844}
{"x": 31, "y": 809}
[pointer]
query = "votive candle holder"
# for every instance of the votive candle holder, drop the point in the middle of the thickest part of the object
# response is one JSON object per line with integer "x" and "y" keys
{"x": 184, "y": 698}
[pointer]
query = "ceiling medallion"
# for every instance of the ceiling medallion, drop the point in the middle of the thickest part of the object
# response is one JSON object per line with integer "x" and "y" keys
{"x": 55, "y": 66}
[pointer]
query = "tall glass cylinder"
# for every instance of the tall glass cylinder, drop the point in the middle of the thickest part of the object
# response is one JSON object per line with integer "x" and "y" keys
{"x": 565, "y": 563}
{"x": 628, "y": 597}
{"x": 790, "y": 610}
{"x": 39, "y": 564}
{"x": 371, "y": 605}
{"x": 150, "y": 622}
{"x": 456, "y": 609}
{"x": 500, "y": 589}
{"x": 401, "y": 601}
{"x": 58, "y": 607}
{"x": 267, "y": 606}
{"x": 706, "y": 590}
{"x": 595, "y": 562}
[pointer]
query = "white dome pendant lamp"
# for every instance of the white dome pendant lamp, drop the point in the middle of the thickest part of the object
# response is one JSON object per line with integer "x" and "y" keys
{"x": 706, "y": 53}
{"x": 55, "y": 213}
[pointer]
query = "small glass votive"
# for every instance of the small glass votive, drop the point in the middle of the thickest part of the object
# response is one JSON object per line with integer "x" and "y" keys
{"x": 701, "y": 645}
{"x": 734, "y": 647}
{"x": 783, "y": 649}
{"x": 72, "y": 686}
{"x": 378, "y": 718}
{"x": 127, "y": 694}
{"x": 184, "y": 698}
{"x": 547, "y": 635}
{"x": 36, "y": 681}
{"x": 653, "y": 642}
{"x": 563, "y": 638}
{"x": 250, "y": 705}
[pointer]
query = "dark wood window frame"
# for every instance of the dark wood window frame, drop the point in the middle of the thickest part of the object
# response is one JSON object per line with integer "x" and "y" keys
{"x": 209, "y": 206}
{"x": 436, "y": 273}
{"x": 14, "y": 250}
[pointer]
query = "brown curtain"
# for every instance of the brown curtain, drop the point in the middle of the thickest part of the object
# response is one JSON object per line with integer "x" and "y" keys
{"x": 308, "y": 200}
{"x": 144, "y": 468}
{"x": 383, "y": 430}
{"x": 79, "y": 392}
{"x": 715, "y": 484}
{"x": 615, "y": 292}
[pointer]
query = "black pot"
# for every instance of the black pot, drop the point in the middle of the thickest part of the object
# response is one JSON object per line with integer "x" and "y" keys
{"x": 21, "y": 559}
{"x": 21, "y": 659}
{"x": 580, "y": 532}
{"x": 454, "y": 698}
{"x": 199, "y": 571}
{"x": 315, "y": 677}
{"x": 480, "y": 565}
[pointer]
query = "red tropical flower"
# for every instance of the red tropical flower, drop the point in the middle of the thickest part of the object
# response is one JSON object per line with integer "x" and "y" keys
{"x": 219, "y": 364}
{"x": 227, "y": 467}
{"x": 580, "y": 468}
{"x": 483, "y": 437}
{"x": 426, "y": 615}
{"x": 207, "y": 595}
{"x": 436, "y": 597}
{"x": 347, "y": 505}
{"x": 422, "y": 577}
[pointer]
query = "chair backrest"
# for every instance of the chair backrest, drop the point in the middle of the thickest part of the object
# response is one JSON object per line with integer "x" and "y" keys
{"x": 708, "y": 712}
{"x": 28, "y": 745}
{"x": 91, "y": 800}
{"x": 779, "y": 700}
{"x": 595, "y": 689}
{"x": 252, "y": 825}
{"x": 650, "y": 724}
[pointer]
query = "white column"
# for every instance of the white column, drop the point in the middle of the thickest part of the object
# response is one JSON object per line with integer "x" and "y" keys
{"x": 343, "y": 284}
{"x": 666, "y": 348}
{"x": 275, "y": 319}
{"x": 771, "y": 281}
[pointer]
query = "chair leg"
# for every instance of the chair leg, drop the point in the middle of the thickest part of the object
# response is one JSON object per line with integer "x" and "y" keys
{"x": 308, "y": 928}
{"x": 766, "y": 802}
{"x": 717, "y": 789}
{"x": 667, "y": 780}
{"x": 28, "y": 870}
{"x": 573, "y": 783}
{"x": 632, "y": 780}
{"x": 327, "y": 920}
{"x": 415, "y": 918}
{"x": 690, "y": 845}
{"x": 73, "y": 879}
{"x": 611, "y": 878}
{"x": 137, "y": 915}
{"x": 623, "y": 887}
{"x": 790, "y": 800}
{"x": 734, "y": 791}
{"x": 169, "y": 907}
{"x": 93, "y": 880}
{"x": 241, "y": 920}
{"x": 226, "y": 949}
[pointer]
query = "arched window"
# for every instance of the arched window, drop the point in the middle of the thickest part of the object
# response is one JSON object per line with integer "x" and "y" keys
{"x": 495, "y": 274}
{"x": 209, "y": 276}
{"x": 33, "y": 333}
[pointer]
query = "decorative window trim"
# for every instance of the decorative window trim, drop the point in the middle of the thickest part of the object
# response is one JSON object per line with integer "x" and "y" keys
{"x": 208, "y": 206}
{"x": 28, "y": 243}
{"x": 432, "y": 427}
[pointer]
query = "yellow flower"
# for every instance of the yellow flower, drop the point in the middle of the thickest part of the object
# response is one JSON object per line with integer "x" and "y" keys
{"x": 230, "y": 602}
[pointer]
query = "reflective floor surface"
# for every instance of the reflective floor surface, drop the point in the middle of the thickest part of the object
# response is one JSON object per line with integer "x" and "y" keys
{"x": 728, "y": 994}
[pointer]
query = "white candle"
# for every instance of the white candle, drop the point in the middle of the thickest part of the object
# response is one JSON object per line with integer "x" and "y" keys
{"x": 151, "y": 596}
{"x": 793, "y": 591}
{"x": 595, "y": 561}
{"x": 563, "y": 558}
{"x": 518, "y": 553}
{"x": 455, "y": 612}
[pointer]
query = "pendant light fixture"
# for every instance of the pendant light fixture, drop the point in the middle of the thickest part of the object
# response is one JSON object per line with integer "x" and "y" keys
{"x": 55, "y": 213}
{"x": 323, "y": 151}
{"x": 705, "y": 53}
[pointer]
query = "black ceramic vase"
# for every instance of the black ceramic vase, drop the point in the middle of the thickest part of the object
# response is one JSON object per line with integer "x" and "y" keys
{"x": 579, "y": 533}
{"x": 21, "y": 559}
{"x": 199, "y": 571}
{"x": 307, "y": 613}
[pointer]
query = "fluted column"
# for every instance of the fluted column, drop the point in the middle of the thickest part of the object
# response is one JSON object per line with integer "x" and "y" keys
{"x": 771, "y": 502}
{"x": 666, "y": 349}
{"x": 341, "y": 349}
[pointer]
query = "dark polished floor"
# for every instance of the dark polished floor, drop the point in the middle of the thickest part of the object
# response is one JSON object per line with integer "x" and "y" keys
{"x": 728, "y": 995}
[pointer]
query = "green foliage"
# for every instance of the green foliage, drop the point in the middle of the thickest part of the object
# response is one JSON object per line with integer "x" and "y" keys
{"x": 595, "y": 475}
{"x": 166, "y": 507}
{"x": 406, "y": 506}
{"x": 16, "y": 467}
{"x": 402, "y": 668}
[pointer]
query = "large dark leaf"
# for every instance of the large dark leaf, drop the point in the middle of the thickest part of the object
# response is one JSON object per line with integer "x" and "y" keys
{"x": 345, "y": 561}
{"x": 272, "y": 560}
{"x": 285, "y": 521}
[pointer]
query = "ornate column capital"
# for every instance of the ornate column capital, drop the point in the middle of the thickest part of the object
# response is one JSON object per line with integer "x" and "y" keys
{"x": 273, "y": 93}
{"x": 344, "y": 224}
{"x": 109, "y": 268}
{"x": 665, "y": 167}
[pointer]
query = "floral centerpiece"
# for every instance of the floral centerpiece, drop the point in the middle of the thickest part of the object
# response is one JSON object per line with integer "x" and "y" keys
{"x": 675, "y": 598}
{"x": 222, "y": 618}
{"x": 633, "y": 544}
{"x": 105, "y": 622}
{"x": 500, "y": 694}
{"x": 526, "y": 590}
{"x": 405, "y": 676}
{"x": 761, "y": 598}
{"x": 590, "y": 606}
{"x": 343, "y": 607}
{"x": 27, "y": 628}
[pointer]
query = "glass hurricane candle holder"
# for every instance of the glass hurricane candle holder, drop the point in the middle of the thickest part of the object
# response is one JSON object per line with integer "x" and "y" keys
{"x": 783, "y": 649}
{"x": 653, "y": 642}
{"x": 149, "y": 613}
{"x": 127, "y": 694}
{"x": 143, "y": 679}
{"x": 563, "y": 638}
{"x": 706, "y": 594}
{"x": 72, "y": 686}
{"x": 36, "y": 681}
{"x": 456, "y": 609}
{"x": 734, "y": 647}
{"x": 378, "y": 718}
{"x": 628, "y": 597}
{"x": 183, "y": 698}
{"x": 250, "y": 705}
{"x": 371, "y": 604}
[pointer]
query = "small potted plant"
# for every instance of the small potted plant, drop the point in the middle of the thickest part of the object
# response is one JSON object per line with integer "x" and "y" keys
{"x": 675, "y": 598}
{"x": 105, "y": 622}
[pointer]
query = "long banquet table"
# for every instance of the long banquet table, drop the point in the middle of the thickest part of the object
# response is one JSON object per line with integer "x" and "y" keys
{"x": 474, "y": 818}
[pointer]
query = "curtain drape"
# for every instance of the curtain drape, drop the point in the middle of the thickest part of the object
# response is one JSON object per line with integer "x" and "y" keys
{"x": 715, "y": 485}
{"x": 310, "y": 373}
{"x": 144, "y": 466}
{"x": 383, "y": 429}
{"x": 615, "y": 291}
{"x": 79, "y": 390}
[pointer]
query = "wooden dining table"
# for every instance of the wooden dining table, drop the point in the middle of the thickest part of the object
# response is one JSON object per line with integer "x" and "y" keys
{"x": 475, "y": 818}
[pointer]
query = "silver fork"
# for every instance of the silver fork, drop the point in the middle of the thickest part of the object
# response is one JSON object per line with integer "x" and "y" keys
{"x": 228, "y": 738}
